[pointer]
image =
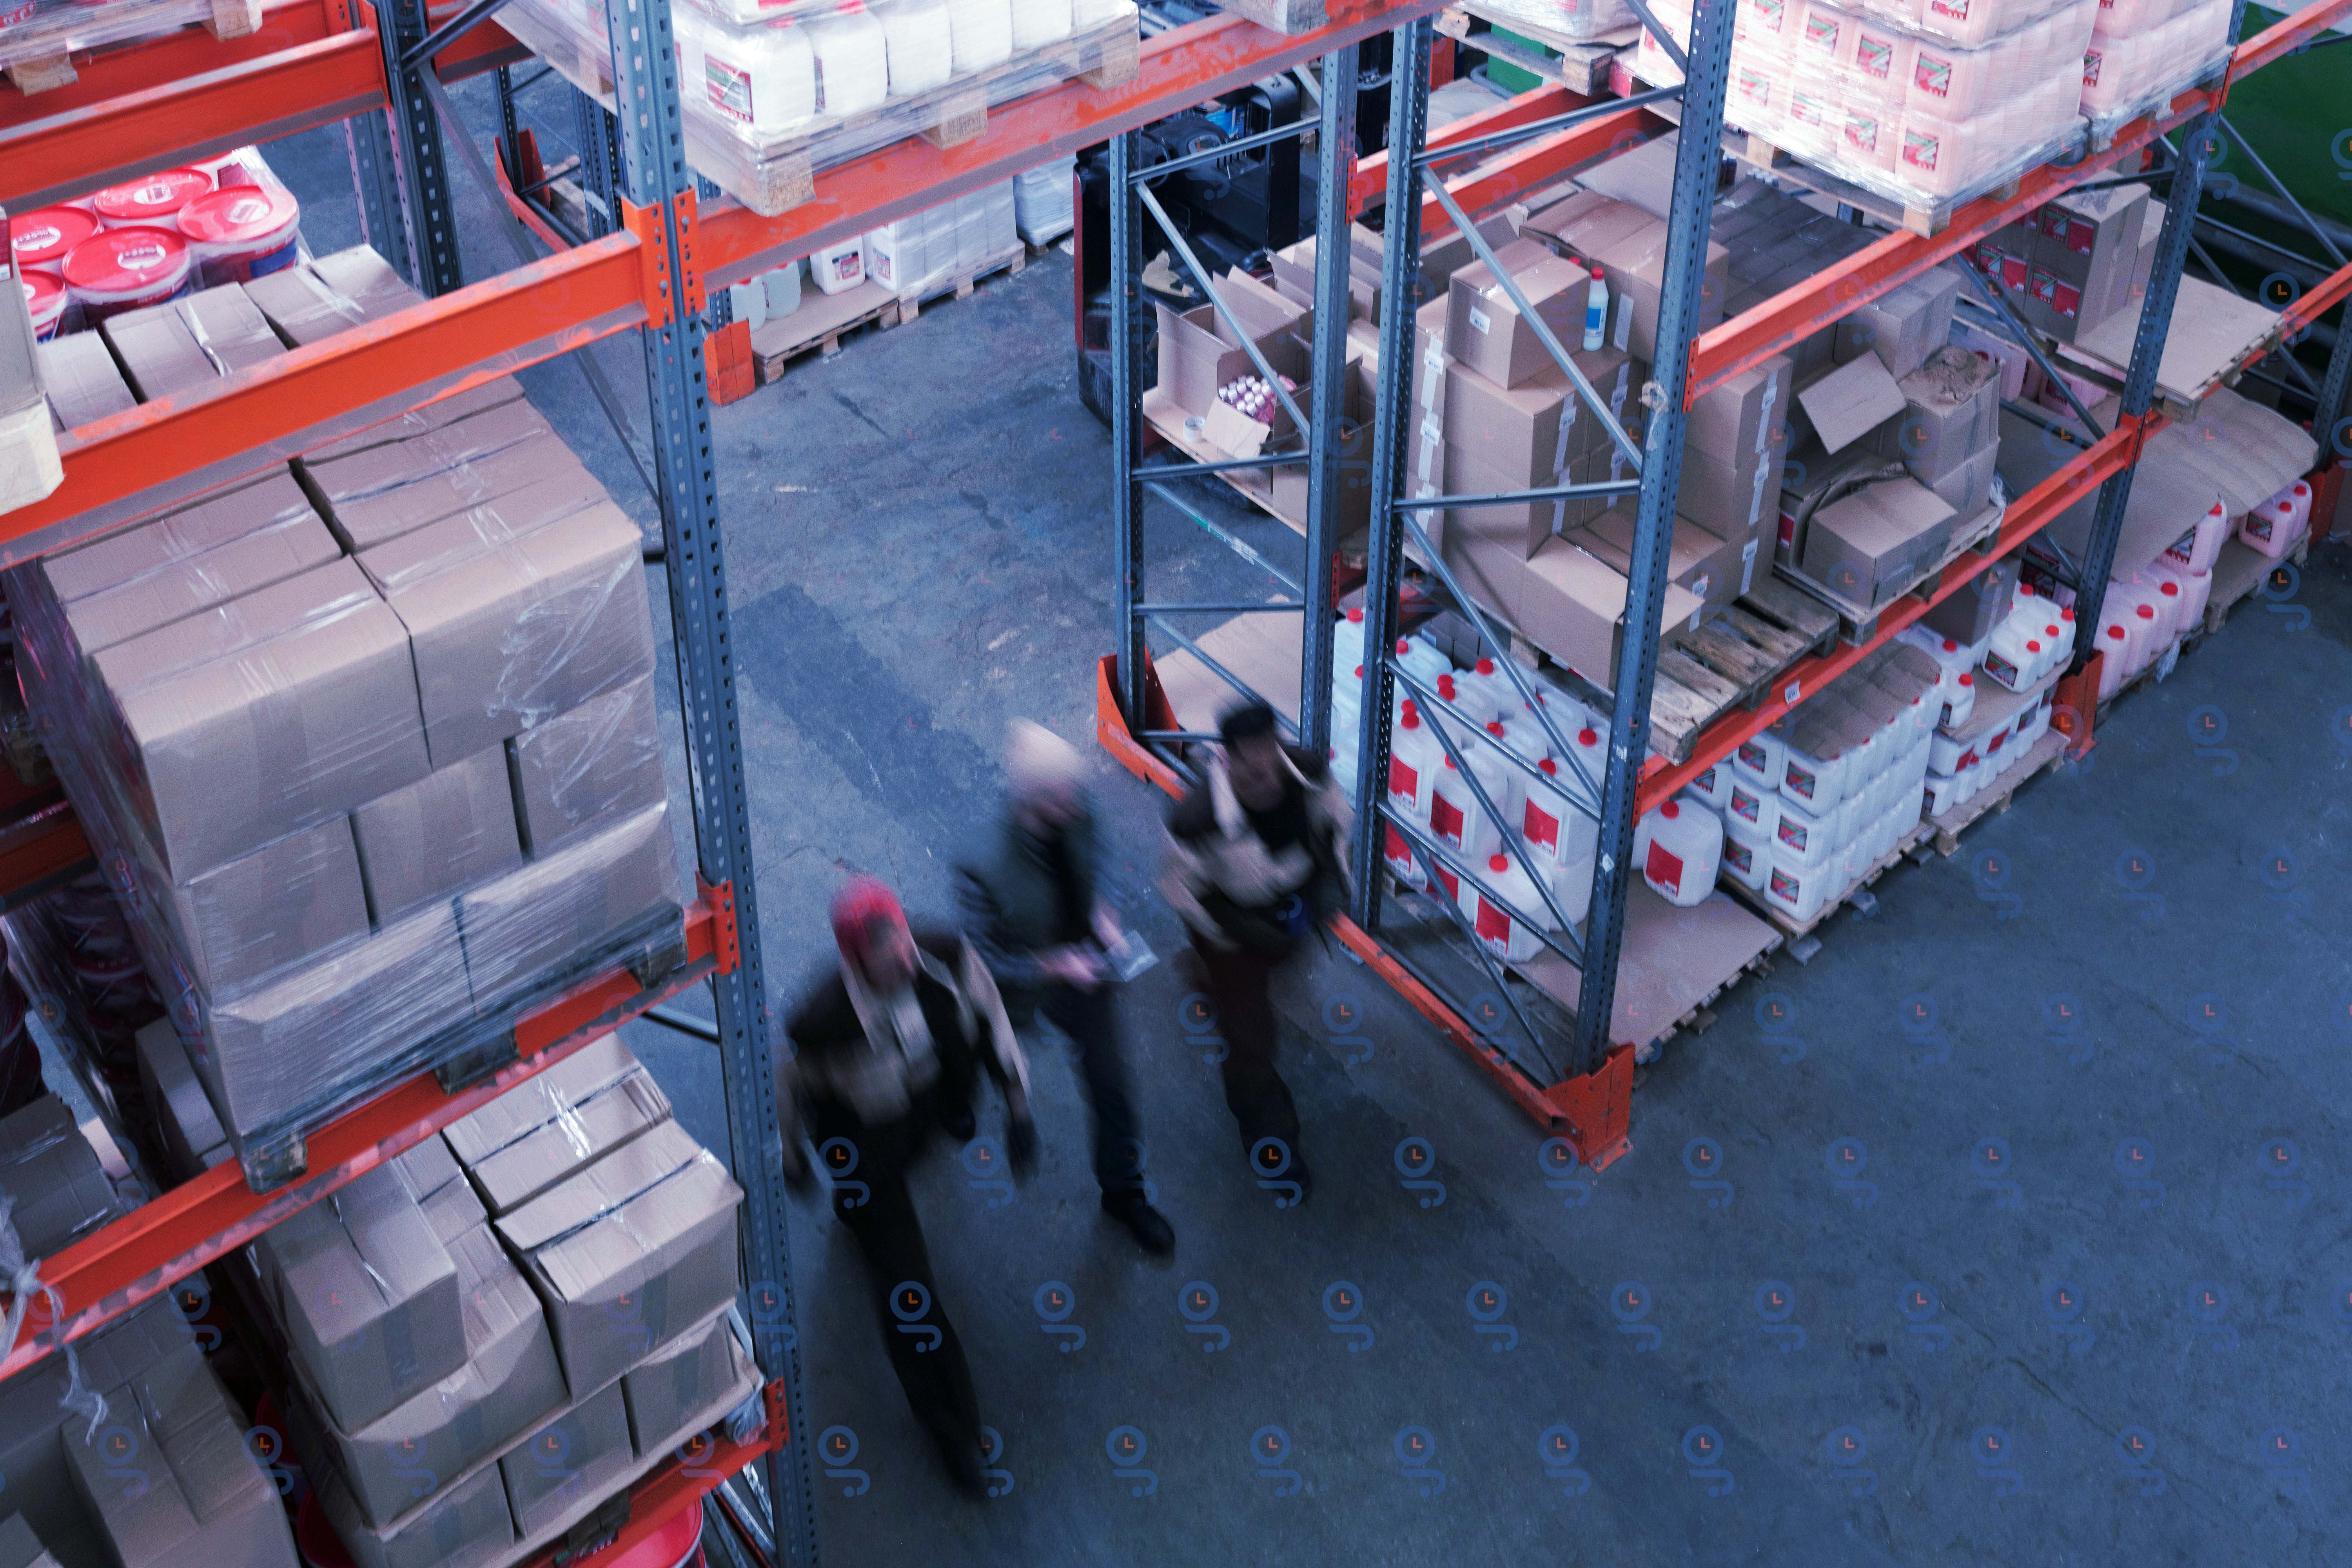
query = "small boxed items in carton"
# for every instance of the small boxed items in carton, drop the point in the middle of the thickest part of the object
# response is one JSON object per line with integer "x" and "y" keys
{"x": 1200, "y": 351}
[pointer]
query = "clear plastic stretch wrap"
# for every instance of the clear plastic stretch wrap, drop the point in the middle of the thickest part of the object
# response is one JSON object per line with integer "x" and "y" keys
{"x": 1925, "y": 107}
{"x": 1041, "y": 200}
{"x": 774, "y": 93}
{"x": 918, "y": 256}
{"x": 45, "y": 29}
{"x": 1576, "y": 19}
{"x": 2144, "y": 51}
{"x": 367, "y": 750}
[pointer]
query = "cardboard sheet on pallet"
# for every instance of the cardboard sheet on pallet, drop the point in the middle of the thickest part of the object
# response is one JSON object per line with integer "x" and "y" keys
{"x": 1672, "y": 960}
{"x": 819, "y": 316}
{"x": 1263, "y": 650}
{"x": 2213, "y": 333}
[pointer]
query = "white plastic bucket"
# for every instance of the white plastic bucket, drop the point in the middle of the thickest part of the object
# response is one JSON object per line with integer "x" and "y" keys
{"x": 242, "y": 233}
{"x": 39, "y": 240}
{"x": 120, "y": 269}
{"x": 44, "y": 298}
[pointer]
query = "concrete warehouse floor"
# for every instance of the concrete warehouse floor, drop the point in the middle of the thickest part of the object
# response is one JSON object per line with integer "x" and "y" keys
{"x": 917, "y": 550}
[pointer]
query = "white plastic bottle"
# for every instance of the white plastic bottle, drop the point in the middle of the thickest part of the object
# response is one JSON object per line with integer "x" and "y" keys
{"x": 2196, "y": 589}
{"x": 1414, "y": 759}
{"x": 1452, "y": 691}
{"x": 2015, "y": 658}
{"x": 1960, "y": 702}
{"x": 1348, "y": 641}
{"x": 1519, "y": 735}
{"x": 1500, "y": 931}
{"x": 1398, "y": 855}
{"x": 1557, "y": 831}
{"x": 1420, "y": 661}
{"x": 1596, "y": 310}
{"x": 2195, "y": 549}
{"x": 1761, "y": 758}
{"x": 1500, "y": 694}
{"x": 1679, "y": 848}
{"x": 2114, "y": 651}
{"x": 1712, "y": 786}
{"x": 1455, "y": 818}
{"x": 2169, "y": 605}
{"x": 1588, "y": 758}
{"x": 2269, "y": 530}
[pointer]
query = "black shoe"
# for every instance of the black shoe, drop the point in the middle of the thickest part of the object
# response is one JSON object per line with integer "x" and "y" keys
{"x": 1147, "y": 1224}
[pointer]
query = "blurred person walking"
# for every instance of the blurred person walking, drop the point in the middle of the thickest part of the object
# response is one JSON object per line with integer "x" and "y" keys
{"x": 1256, "y": 857}
{"x": 889, "y": 1051}
{"x": 1033, "y": 912}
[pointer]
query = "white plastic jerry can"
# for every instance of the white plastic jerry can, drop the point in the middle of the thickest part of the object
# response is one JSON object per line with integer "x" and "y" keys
{"x": 2114, "y": 652}
{"x": 1414, "y": 759}
{"x": 1422, "y": 660}
{"x": 1555, "y": 830}
{"x": 2195, "y": 550}
{"x": 1501, "y": 697}
{"x": 1678, "y": 847}
{"x": 1457, "y": 820}
{"x": 1744, "y": 863}
{"x": 1814, "y": 779}
{"x": 2146, "y": 635}
{"x": 1712, "y": 787}
{"x": 1804, "y": 837}
{"x": 1348, "y": 641}
{"x": 1761, "y": 758}
{"x": 1502, "y": 933}
{"x": 2269, "y": 530}
{"x": 1455, "y": 694}
{"x": 1752, "y": 813}
{"x": 2015, "y": 658}
{"x": 2169, "y": 605}
{"x": 1942, "y": 792}
{"x": 2196, "y": 589}
{"x": 1794, "y": 886}
{"x": 1960, "y": 701}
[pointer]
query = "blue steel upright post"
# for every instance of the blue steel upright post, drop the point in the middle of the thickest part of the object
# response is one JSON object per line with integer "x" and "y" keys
{"x": 1698, "y": 161}
{"x": 1331, "y": 438}
{"x": 655, "y": 176}
{"x": 422, "y": 177}
{"x": 1127, "y": 324}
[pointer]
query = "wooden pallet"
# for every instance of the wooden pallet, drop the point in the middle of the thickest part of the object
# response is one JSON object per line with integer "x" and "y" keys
{"x": 2238, "y": 573}
{"x": 1995, "y": 797}
{"x": 1702, "y": 1017}
{"x": 819, "y": 326}
{"x": 1860, "y": 621}
{"x": 1927, "y": 221}
{"x": 910, "y": 306}
{"x": 1580, "y": 65}
{"x": 1798, "y": 935}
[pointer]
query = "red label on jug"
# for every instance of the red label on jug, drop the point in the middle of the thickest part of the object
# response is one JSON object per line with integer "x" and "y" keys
{"x": 1445, "y": 820}
{"x": 1745, "y": 806}
{"x": 1738, "y": 855}
{"x": 1541, "y": 829}
{"x": 2001, "y": 669}
{"x": 2091, "y": 67}
{"x": 1821, "y": 31}
{"x": 1800, "y": 782}
{"x": 1494, "y": 925}
{"x": 1784, "y": 887}
{"x": 1934, "y": 77}
{"x": 2259, "y": 525}
{"x": 1874, "y": 55}
{"x": 1752, "y": 754}
{"x": 1404, "y": 781}
{"x": 1792, "y": 833}
{"x": 1663, "y": 867}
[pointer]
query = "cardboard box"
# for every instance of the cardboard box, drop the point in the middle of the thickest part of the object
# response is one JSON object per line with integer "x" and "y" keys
{"x": 423, "y": 418}
{"x": 316, "y": 300}
{"x": 1199, "y": 352}
{"x": 1904, "y": 325}
{"x": 1483, "y": 329}
{"x": 467, "y": 1526}
{"x": 257, "y": 717}
{"x": 1698, "y": 560}
{"x": 1294, "y": 272}
{"x": 675, "y": 1387}
{"x": 1968, "y": 616}
{"x": 1532, "y": 431}
{"x": 427, "y": 1167}
{"x": 568, "y": 1463}
{"x": 1735, "y": 501}
{"x": 50, "y": 1172}
{"x": 291, "y": 898}
{"x": 2090, "y": 241}
{"x": 175, "y": 590}
{"x": 1952, "y": 412}
{"x": 1520, "y": 527}
{"x": 1490, "y": 571}
{"x": 630, "y": 1253}
{"x": 170, "y": 1481}
{"x": 368, "y": 1298}
{"x": 1447, "y": 253}
{"x": 193, "y": 1140}
{"x": 299, "y": 1041}
{"x": 191, "y": 341}
{"x": 1865, "y": 544}
{"x": 1630, "y": 245}
{"x": 540, "y": 1132}
{"x": 83, "y": 383}
{"x": 462, "y": 442}
{"x": 1734, "y": 439}
{"x": 178, "y": 536}
{"x": 518, "y": 488}
{"x": 1572, "y": 606}
{"x": 506, "y": 629}
{"x": 1843, "y": 406}
{"x": 451, "y": 828}
{"x": 20, "y": 1548}
{"x": 508, "y": 1383}
{"x": 1966, "y": 489}
{"x": 532, "y": 924}
{"x": 33, "y": 1415}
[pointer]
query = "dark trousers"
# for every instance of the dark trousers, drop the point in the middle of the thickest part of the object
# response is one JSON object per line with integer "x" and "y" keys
{"x": 1237, "y": 978}
{"x": 1091, "y": 1020}
{"x": 937, "y": 1378}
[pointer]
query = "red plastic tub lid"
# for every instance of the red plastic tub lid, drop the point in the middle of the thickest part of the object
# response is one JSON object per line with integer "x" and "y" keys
{"x": 44, "y": 295}
{"x": 156, "y": 195}
{"x": 42, "y": 237}
{"x": 237, "y": 212}
{"x": 118, "y": 261}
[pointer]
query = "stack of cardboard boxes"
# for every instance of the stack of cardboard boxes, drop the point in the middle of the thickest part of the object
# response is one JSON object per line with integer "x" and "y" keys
{"x": 495, "y": 1329}
{"x": 2077, "y": 261}
{"x": 367, "y": 748}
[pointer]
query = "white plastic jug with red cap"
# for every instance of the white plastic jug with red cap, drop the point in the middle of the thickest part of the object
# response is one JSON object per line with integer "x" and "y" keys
{"x": 1796, "y": 886}
{"x": 1414, "y": 760}
{"x": 2272, "y": 528}
{"x": 1489, "y": 903}
{"x": 1813, "y": 779}
{"x": 2196, "y": 550}
{"x": 1804, "y": 836}
{"x": 1471, "y": 701}
{"x": 1455, "y": 818}
{"x": 2196, "y": 590}
{"x": 1422, "y": 660}
{"x": 1499, "y": 693}
{"x": 1348, "y": 641}
{"x": 2015, "y": 658}
{"x": 1677, "y": 848}
{"x": 2114, "y": 653}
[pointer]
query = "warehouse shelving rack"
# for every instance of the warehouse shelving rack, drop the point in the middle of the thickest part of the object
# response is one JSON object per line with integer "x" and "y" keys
{"x": 656, "y": 273}
{"x": 1528, "y": 143}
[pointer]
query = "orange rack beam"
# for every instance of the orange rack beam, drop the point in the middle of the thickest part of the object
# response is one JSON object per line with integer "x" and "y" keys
{"x": 141, "y": 1255}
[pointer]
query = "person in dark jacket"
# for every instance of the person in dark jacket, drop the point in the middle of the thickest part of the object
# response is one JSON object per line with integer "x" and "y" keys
{"x": 887, "y": 1052}
{"x": 1031, "y": 911}
{"x": 1256, "y": 857}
